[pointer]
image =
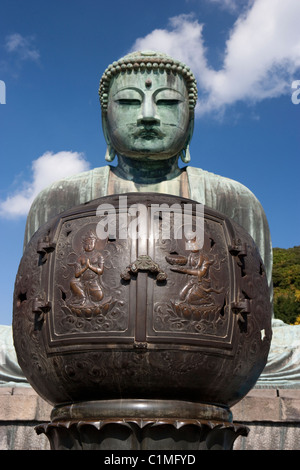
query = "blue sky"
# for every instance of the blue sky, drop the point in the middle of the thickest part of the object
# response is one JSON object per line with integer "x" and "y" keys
{"x": 245, "y": 55}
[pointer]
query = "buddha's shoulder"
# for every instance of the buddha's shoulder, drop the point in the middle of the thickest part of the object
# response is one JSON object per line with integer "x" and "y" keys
{"x": 73, "y": 183}
{"x": 79, "y": 178}
{"x": 197, "y": 176}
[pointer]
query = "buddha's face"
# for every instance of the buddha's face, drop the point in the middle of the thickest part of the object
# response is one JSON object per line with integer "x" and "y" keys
{"x": 148, "y": 115}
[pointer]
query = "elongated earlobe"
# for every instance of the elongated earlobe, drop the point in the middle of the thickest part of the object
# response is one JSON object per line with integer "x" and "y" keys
{"x": 110, "y": 151}
{"x": 185, "y": 152}
{"x": 110, "y": 154}
{"x": 185, "y": 155}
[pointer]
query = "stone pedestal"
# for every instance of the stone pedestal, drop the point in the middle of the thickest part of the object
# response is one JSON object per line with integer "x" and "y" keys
{"x": 141, "y": 425}
{"x": 272, "y": 415}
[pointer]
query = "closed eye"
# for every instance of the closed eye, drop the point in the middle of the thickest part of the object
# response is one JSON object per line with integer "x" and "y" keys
{"x": 165, "y": 102}
{"x": 128, "y": 102}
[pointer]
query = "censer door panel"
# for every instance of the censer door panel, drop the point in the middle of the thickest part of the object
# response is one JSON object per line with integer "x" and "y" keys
{"x": 192, "y": 306}
{"x": 91, "y": 304}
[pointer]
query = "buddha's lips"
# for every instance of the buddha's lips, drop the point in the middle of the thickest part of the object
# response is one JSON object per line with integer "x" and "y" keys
{"x": 150, "y": 133}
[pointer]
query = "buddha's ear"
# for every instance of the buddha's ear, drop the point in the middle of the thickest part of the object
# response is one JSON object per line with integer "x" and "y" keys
{"x": 110, "y": 151}
{"x": 185, "y": 152}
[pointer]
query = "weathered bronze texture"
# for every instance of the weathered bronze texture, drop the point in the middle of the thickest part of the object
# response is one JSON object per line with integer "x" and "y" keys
{"x": 201, "y": 334}
{"x": 142, "y": 434}
{"x": 152, "y": 332}
{"x": 138, "y": 424}
{"x": 135, "y": 408}
{"x": 141, "y": 425}
{"x": 145, "y": 264}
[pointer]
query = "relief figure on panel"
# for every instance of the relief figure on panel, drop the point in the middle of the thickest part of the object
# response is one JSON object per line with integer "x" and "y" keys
{"x": 86, "y": 287}
{"x": 198, "y": 289}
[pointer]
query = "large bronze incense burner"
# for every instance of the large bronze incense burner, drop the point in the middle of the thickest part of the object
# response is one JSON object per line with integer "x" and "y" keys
{"x": 163, "y": 325}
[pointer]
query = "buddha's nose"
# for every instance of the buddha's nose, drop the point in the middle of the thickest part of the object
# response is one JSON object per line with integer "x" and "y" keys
{"x": 148, "y": 112}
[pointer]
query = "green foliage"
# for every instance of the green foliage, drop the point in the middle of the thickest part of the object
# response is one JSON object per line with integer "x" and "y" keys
{"x": 286, "y": 281}
{"x": 286, "y": 308}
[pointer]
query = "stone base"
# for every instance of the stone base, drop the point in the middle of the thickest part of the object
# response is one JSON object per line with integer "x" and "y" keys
{"x": 272, "y": 415}
{"x": 21, "y": 409}
{"x": 141, "y": 425}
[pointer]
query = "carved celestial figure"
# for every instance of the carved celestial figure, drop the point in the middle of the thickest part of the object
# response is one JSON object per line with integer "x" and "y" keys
{"x": 86, "y": 287}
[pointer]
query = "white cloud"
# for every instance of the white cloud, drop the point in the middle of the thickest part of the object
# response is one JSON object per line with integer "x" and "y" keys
{"x": 231, "y": 5}
{"x": 22, "y": 46}
{"x": 261, "y": 55}
{"x": 46, "y": 169}
{"x": 184, "y": 42}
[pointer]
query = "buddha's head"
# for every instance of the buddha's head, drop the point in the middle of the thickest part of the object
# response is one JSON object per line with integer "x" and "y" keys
{"x": 147, "y": 101}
